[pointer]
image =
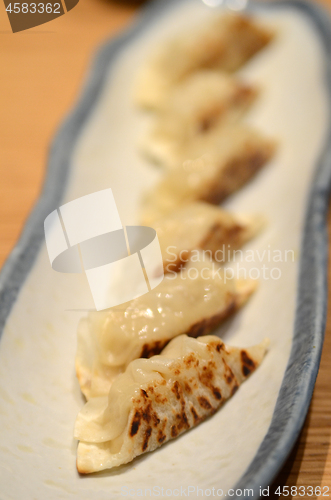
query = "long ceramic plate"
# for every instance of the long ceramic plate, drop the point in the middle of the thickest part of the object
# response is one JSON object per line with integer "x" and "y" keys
{"x": 246, "y": 442}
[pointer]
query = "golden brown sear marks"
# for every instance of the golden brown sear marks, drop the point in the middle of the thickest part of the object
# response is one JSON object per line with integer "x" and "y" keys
{"x": 205, "y": 326}
{"x": 153, "y": 424}
{"x": 161, "y": 436}
{"x": 235, "y": 174}
{"x": 148, "y": 433}
{"x": 191, "y": 360}
{"x": 187, "y": 388}
{"x": 247, "y": 364}
{"x": 234, "y": 389}
{"x": 193, "y": 381}
{"x": 195, "y": 415}
{"x": 220, "y": 235}
{"x": 204, "y": 403}
{"x": 176, "y": 390}
{"x": 217, "y": 393}
{"x": 149, "y": 350}
{"x": 229, "y": 375}
{"x": 135, "y": 424}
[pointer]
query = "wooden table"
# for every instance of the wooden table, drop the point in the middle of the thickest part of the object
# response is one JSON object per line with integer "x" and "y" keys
{"x": 41, "y": 72}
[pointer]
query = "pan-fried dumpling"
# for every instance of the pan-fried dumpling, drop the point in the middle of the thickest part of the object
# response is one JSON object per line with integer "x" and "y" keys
{"x": 157, "y": 399}
{"x": 225, "y": 43}
{"x": 193, "y": 301}
{"x": 202, "y": 226}
{"x": 202, "y": 101}
{"x": 222, "y": 163}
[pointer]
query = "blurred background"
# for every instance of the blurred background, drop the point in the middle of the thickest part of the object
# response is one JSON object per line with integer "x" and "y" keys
{"x": 42, "y": 70}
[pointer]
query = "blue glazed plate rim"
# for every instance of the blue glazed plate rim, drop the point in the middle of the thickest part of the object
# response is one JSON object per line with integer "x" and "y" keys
{"x": 310, "y": 316}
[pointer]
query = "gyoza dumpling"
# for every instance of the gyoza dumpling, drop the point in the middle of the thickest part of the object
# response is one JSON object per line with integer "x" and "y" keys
{"x": 193, "y": 301}
{"x": 199, "y": 103}
{"x": 225, "y": 43}
{"x": 222, "y": 163}
{"x": 158, "y": 399}
{"x": 202, "y": 226}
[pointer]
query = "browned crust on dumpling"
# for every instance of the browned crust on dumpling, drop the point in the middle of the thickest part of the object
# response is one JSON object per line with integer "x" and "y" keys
{"x": 203, "y": 327}
{"x": 220, "y": 235}
{"x": 206, "y": 325}
{"x": 233, "y": 301}
{"x": 193, "y": 388}
{"x": 237, "y": 172}
{"x": 217, "y": 236}
{"x": 247, "y": 364}
{"x": 225, "y": 44}
{"x": 152, "y": 348}
{"x": 242, "y": 98}
{"x": 253, "y": 36}
{"x": 228, "y": 174}
{"x": 151, "y": 418}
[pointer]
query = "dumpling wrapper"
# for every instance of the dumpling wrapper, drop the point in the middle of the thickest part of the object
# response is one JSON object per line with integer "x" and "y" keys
{"x": 210, "y": 170}
{"x": 193, "y": 301}
{"x": 158, "y": 399}
{"x": 224, "y": 43}
{"x": 202, "y": 101}
{"x": 203, "y": 226}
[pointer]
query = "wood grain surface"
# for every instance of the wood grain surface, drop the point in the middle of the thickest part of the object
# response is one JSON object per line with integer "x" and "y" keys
{"x": 41, "y": 73}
